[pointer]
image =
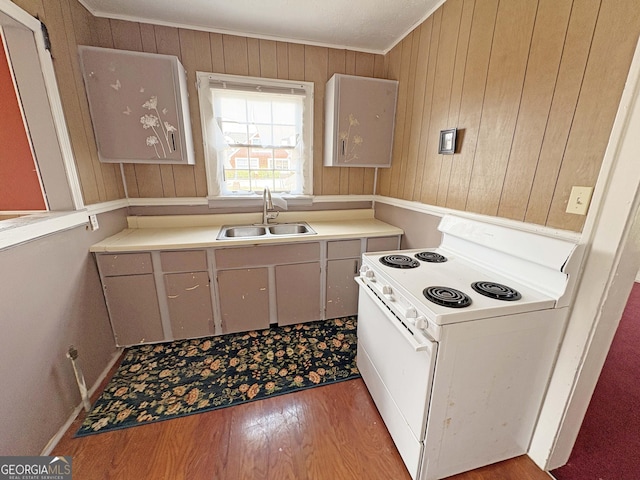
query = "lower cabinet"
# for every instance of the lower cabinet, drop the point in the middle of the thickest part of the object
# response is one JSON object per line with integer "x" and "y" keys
{"x": 189, "y": 304}
{"x": 132, "y": 298}
{"x": 243, "y": 299}
{"x": 342, "y": 289}
{"x": 167, "y": 295}
{"x": 343, "y": 262}
{"x": 187, "y": 291}
{"x": 343, "y": 265}
{"x": 298, "y": 292}
{"x": 267, "y": 284}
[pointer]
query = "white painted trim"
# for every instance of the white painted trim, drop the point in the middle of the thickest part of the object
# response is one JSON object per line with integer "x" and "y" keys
{"x": 104, "y": 207}
{"x": 63, "y": 429}
{"x": 505, "y": 222}
{"x": 24, "y": 229}
{"x": 59, "y": 122}
{"x": 612, "y": 260}
{"x": 19, "y": 15}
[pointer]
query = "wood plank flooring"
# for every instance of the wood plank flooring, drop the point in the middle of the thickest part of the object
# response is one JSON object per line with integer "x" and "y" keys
{"x": 332, "y": 432}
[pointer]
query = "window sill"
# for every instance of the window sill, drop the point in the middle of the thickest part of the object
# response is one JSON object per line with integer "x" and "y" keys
{"x": 283, "y": 201}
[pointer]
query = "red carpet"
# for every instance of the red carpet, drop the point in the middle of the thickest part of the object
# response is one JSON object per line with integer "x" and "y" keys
{"x": 608, "y": 445}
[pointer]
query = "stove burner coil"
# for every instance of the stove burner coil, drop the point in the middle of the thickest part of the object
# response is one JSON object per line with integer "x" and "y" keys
{"x": 399, "y": 261}
{"x": 447, "y": 297}
{"x": 431, "y": 257}
{"x": 496, "y": 291}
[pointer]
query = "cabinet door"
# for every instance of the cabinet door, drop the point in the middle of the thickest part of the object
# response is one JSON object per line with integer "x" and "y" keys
{"x": 133, "y": 308}
{"x": 342, "y": 290}
{"x": 244, "y": 299}
{"x": 139, "y": 106}
{"x": 298, "y": 293}
{"x": 363, "y": 119}
{"x": 189, "y": 301}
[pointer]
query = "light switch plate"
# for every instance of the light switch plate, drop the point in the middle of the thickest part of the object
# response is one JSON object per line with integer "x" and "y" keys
{"x": 579, "y": 200}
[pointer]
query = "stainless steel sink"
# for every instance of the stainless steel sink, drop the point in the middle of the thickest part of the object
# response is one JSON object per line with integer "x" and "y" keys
{"x": 289, "y": 229}
{"x": 228, "y": 232}
{"x": 244, "y": 231}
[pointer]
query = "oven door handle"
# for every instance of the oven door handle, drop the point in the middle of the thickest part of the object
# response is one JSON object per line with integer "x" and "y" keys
{"x": 409, "y": 337}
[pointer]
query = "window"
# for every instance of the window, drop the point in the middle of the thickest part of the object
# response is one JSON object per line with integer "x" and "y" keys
{"x": 257, "y": 133}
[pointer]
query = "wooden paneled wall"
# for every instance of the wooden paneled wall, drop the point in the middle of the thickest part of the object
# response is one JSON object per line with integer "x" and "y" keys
{"x": 533, "y": 87}
{"x": 70, "y": 25}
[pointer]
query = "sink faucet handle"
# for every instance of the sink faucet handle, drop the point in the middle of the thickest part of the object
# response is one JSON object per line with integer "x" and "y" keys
{"x": 268, "y": 211}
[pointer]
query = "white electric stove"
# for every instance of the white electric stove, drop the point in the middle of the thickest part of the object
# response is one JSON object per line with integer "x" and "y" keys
{"x": 456, "y": 344}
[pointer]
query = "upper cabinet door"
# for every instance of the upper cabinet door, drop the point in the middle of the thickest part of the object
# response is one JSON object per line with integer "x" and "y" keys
{"x": 360, "y": 116}
{"x": 139, "y": 106}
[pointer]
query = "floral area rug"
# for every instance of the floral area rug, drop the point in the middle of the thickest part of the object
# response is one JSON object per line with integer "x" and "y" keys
{"x": 169, "y": 380}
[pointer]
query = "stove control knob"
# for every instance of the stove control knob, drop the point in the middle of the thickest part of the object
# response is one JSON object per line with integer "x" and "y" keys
{"x": 421, "y": 322}
{"x": 411, "y": 313}
{"x": 366, "y": 272}
{"x": 387, "y": 291}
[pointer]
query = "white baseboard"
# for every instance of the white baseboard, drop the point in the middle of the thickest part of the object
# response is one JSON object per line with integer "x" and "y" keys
{"x": 63, "y": 429}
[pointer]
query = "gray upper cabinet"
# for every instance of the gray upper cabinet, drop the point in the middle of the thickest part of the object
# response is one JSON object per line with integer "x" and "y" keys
{"x": 359, "y": 116}
{"x": 139, "y": 106}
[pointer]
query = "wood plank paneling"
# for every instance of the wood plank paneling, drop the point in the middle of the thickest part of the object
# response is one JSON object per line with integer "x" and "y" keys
{"x": 332, "y": 178}
{"x": 607, "y": 67}
{"x": 507, "y": 67}
{"x": 462, "y": 47}
{"x": 405, "y": 141}
{"x": 533, "y": 88}
{"x": 315, "y": 70}
{"x": 472, "y": 101}
{"x": 441, "y": 99}
{"x": 425, "y": 134}
{"x": 422, "y": 39}
{"x": 542, "y": 71}
{"x": 565, "y": 97}
{"x": 401, "y": 115}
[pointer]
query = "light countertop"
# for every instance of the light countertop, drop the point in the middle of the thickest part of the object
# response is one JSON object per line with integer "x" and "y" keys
{"x": 200, "y": 231}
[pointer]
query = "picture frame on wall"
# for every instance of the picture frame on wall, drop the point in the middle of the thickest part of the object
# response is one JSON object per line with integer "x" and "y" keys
{"x": 447, "y": 145}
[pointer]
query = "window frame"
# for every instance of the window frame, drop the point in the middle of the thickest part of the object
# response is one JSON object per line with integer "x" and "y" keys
{"x": 214, "y": 173}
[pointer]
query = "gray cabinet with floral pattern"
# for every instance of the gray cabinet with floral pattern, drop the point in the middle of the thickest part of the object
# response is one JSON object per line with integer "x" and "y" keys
{"x": 139, "y": 106}
{"x": 359, "y": 120}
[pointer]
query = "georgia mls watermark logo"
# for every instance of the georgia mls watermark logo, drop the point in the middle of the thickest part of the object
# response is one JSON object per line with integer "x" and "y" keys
{"x": 35, "y": 468}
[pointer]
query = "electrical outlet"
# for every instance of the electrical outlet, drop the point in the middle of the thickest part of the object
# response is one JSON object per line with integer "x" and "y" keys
{"x": 579, "y": 200}
{"x": 93, "y": 221}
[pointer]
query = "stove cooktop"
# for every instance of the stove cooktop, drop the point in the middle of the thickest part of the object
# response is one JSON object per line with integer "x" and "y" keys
{"x": 451, "y": 289}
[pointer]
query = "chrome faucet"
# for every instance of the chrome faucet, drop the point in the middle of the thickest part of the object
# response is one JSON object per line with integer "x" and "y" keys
{"x": 268, "y": 211}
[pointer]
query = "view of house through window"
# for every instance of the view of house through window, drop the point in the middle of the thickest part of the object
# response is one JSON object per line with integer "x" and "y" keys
{"x": 264, "y": 139}
{"x": 257, "y": 134}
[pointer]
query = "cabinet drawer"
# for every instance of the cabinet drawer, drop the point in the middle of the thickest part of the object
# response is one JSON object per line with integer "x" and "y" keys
{"x": 114, "y": 264}
{"x": 267, "y": 255}
{"x": 380, "y": 244}
{"x": 344, "y": 249}
{"x": 185, "y": 261}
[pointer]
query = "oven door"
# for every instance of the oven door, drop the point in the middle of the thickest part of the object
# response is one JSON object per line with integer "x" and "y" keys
{"x": 398, "y": 370}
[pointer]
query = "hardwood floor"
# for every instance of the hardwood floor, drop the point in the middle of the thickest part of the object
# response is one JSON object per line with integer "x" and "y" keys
{"x": 332, "y": 432}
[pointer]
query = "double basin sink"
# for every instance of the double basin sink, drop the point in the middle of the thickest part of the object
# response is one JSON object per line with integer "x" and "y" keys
{"x": 229, "y": 232}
